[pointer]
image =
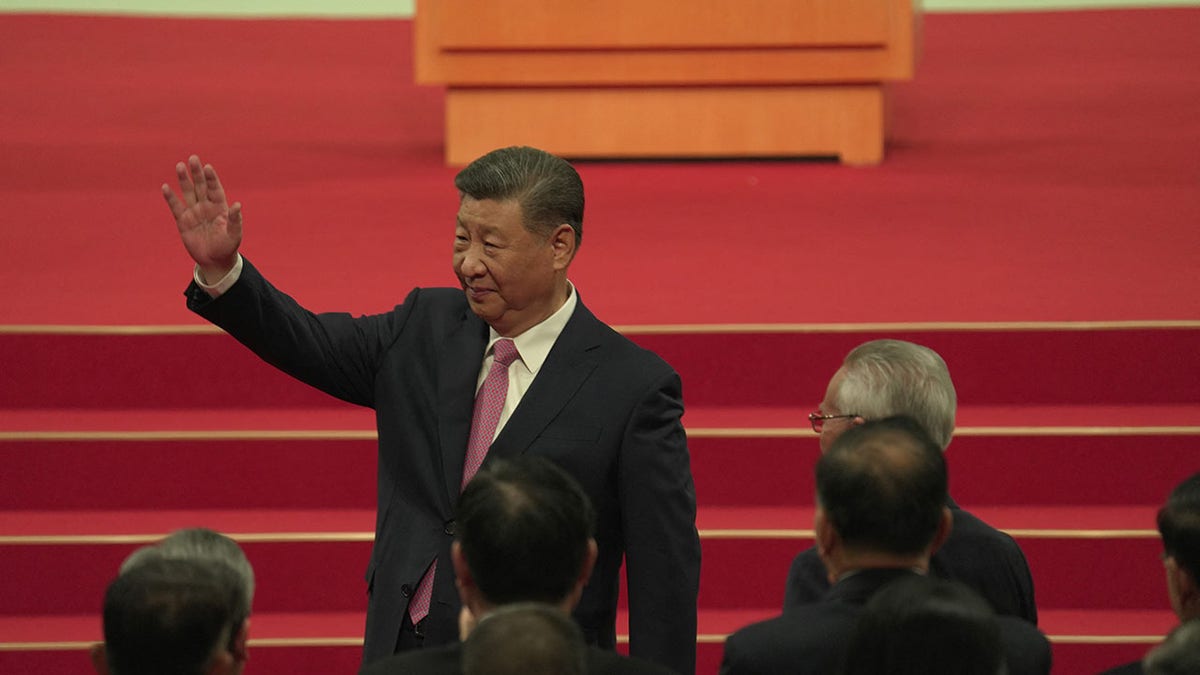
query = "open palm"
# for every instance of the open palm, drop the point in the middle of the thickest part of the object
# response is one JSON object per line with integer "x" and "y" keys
{"x": 210, "y": 228}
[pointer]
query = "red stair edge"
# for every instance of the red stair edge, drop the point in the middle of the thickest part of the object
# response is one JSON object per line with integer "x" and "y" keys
{"x": 760, "y": 420}
{"x": 793, "y": 522}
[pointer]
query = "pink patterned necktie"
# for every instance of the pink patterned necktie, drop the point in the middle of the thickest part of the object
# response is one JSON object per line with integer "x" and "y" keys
{"x": 489, "y": 403}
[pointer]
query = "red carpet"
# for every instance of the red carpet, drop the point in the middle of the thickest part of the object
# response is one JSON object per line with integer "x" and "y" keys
{"x": 1043, "y": 168}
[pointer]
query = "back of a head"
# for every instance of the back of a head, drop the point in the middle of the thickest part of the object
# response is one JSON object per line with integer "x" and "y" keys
{"x": 1179, "y": 525}
{"x": 524, "y": 526}
{"x": 205, "y": 546}
{"x": 548, "y": 188}
{"x": 883, "y": 486}
{"x": 921, "y": 625}
{"x": 170, "y": 617}
{"x": 1179, "y": 654}
{"x": 885, "y": 378}
{"x": 525, "y": 639}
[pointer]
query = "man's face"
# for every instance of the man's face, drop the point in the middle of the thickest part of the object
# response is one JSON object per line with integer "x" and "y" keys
{"x": 510, "y": 275}
{"x": 831, "y": 429}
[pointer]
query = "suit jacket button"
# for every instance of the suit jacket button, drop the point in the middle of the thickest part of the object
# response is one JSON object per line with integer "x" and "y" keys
{"x": 448, "y": 527}
{"x": 406, "y": 590}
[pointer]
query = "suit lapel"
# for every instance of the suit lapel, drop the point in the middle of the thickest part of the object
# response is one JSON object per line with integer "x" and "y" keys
{"x": 458, "y": 371}
{"x": 576, "y": 353}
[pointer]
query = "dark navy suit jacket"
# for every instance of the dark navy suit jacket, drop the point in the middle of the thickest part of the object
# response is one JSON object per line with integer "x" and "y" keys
{"x": 812, "y": 638}
{"x": 975, "y": 553}
{"x": 601, "y": 407}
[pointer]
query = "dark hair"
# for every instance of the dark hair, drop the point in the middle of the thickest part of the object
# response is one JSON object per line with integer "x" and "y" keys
{"x": 524, "y": 527}
{"x": 548, "y": 188}
{"x": 1179, "y": 525}
{"x": 525, "y": 638}
{"x": 919, "y": 625}
{"x": 169, "y": 617}
{"x": 883, "y": 486}
{"x": 1179, "y": 654}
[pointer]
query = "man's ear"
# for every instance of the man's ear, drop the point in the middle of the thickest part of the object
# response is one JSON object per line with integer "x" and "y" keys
{"x": 825, "y": 537}
{"x": 100, "y": 658}
{"x": 462, "y": 575}
{"x": 945, "y": 526}
{"x": 238, "y": 646}
{"x": 1189, "y": 593}
{"x": 589, "y": 563}
{"x": 828, "y": 543}
{"x": 232, "y": 660}
{"x": 564, "y": 244}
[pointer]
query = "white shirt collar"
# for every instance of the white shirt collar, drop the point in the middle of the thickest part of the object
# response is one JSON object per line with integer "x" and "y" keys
{"x": 534, "y": 344}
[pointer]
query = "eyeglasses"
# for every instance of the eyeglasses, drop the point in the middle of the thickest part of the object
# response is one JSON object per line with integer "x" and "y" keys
{"x": 817, "y": 419}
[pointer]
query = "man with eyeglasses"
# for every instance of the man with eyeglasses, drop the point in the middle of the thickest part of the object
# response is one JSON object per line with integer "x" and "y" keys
{"x": 1179, "y": 526}
{"x": 883, "y": 378}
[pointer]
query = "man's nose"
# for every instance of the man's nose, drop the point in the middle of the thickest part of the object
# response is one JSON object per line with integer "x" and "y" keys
{"x": 470, "y": 265}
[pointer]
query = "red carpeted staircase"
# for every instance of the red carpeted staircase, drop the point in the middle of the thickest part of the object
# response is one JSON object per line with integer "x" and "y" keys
{"x": 1042, "y": 169}
{"x": 110, "y": 441}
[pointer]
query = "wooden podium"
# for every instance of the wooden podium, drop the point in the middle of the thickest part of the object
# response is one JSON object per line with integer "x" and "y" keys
{"x": 667, "y": 78}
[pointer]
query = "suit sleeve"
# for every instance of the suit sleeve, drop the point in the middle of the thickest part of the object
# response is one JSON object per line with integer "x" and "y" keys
{"x": 333, "y": 352}
{"x": 662, "y": 547}
{"x": 807, "y": 580}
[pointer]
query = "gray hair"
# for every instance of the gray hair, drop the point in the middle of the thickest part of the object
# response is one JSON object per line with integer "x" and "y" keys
{"x": 205, "y": 546}
{"x": 525, "y": 638}
{"x": 883, "y": 378}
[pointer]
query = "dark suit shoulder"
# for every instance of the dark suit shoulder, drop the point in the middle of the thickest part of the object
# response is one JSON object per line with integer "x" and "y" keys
{"x": 1133, "y": 668}
{"x": 605, "y": 662}
{"x": 444, "y": 660}
{"x": 807, "y": 580}
{"x": 991, "y": 562}
{"x": 809, "y": 639}
{"x": 590, "y": 331}
{"x": 1026, "y": 649}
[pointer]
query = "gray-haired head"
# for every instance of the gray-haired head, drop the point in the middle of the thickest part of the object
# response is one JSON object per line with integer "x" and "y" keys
{"x": 547, "y": 187}
{"x": 205, "y": 546}
{"x": 883, "y": 378}
{"x": 171, "y": 615}
{"x": 525, "y": 638}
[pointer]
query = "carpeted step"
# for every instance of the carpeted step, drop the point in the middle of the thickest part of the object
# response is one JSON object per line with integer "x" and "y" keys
{"x": 1071, "y": 551}
{"x": 179, "y": 458}
{"x": 991, "y": 365}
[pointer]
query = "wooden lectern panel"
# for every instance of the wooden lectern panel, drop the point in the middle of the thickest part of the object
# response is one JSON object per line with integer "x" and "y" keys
{"x": 672, "y": 122}
{"x": 667, "y": 78}
{"x": 641, "y": 24}
{"x": 879, "y": 46}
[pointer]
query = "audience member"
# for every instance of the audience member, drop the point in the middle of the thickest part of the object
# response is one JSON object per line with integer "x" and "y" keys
{"x": 525, "y": 638}
{"x": 173, "y": 616}
{"x": 1179, "y": 654}
{"x": 1179, "y": 527}
{"x": 880, "y": 513}
{"x": 883, "y": 378}
{"x": 524, "y": 533}
{"x": 206, "y": 546}
{"x": 921, "y": 625}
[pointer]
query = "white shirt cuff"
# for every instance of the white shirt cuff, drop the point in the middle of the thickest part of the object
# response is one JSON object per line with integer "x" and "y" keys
{"x": 219, "y": 288}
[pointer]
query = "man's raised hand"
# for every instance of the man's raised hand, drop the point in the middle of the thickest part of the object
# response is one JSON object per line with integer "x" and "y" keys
{"x": 210, "y": 228}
